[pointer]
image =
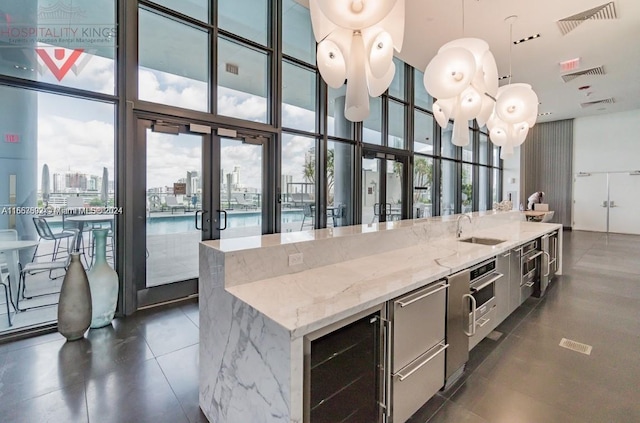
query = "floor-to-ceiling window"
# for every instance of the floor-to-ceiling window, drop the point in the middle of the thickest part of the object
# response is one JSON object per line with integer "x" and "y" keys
{"x": 57, "y": 152}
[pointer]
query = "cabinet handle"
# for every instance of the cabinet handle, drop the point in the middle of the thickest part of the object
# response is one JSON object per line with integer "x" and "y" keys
{"x": 443, "y": 347}
{"x": 529, "y": 284}
{"x": 484, "y": 321}
{"x": 506, "y": 255}
{"x": 388, "y": 381}
{"x": 473, "y": 315}
{"x": 443, "y": 285}
{"x": 548, "y": 263}
{"x": 489, "y": 282}
{"x": 539, "y": 253}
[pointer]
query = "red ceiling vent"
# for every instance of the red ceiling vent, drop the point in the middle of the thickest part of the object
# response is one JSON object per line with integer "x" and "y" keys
{"x": 569, "y": 65}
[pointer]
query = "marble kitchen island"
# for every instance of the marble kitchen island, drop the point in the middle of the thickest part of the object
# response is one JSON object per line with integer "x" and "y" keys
{"x": 255, "y": 309}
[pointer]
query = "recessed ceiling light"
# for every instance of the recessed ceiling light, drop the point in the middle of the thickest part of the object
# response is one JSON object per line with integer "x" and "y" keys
{"x": 529, "y": 38}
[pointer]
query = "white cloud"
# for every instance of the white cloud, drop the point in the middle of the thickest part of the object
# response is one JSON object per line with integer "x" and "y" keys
{"x": 170, "y": 157}
{"x": 294, "y": 151}
{"x": 241, "y": 105}
{"x": 163, "y": 88}
{"x": 67, "y": 144}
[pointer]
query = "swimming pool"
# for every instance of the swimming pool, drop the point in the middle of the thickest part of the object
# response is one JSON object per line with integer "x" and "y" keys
{"x": 161, "y": 225}
{"x": 176, "y": 224}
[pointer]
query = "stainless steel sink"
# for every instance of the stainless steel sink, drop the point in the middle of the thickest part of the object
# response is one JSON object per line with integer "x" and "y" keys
{"x": 483, "y": 241}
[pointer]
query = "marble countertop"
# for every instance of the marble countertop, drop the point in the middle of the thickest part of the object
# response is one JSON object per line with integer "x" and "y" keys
{"x": 261, "y": 241}
{"x": 309, "y": 300}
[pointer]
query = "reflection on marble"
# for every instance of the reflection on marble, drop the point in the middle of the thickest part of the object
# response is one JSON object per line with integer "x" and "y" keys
{"x": 245, "y": 358}
{"x": 256, "y": 258}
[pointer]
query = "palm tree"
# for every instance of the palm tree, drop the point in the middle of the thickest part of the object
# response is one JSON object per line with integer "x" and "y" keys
{"x": 422, "y": 178}
{"x": 309, "y": 173}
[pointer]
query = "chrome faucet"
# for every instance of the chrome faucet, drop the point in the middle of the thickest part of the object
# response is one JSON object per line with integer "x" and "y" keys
{"x": 459, "y": 229}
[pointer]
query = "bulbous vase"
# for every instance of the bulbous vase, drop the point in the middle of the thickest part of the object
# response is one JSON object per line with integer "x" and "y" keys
{"x": 103, "y": 281}
{"x": 74, "y": 306}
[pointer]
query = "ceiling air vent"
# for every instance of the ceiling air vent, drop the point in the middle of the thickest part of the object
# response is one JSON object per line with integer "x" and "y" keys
{"x": 606, "y": 11}
{"x": 593, "y": 103}
{"x": 592, "y": 71}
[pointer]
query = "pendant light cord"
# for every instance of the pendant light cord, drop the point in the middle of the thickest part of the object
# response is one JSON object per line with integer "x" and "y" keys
{"x": 510, "y": 46}
{"x": 463, "y": 18}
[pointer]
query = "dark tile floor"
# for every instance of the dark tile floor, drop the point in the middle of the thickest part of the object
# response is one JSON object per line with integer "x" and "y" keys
{"x": 145, "y": 368}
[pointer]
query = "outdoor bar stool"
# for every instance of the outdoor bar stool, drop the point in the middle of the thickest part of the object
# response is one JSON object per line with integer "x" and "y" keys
{"x": 33, "y": 268}
{"x": 5, "y": 282}
{"x": 45, "y": 233}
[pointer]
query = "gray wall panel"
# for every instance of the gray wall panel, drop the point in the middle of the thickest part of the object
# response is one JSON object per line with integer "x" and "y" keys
{"x": 546, "y": 163}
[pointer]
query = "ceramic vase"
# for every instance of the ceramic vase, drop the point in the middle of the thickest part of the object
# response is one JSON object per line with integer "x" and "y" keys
{"x": 103, "y": 281}
{"x": 74, "y": 306}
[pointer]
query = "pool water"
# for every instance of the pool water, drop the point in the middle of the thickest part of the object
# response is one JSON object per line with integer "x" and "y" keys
{"x": 176, "y": 224}
{"x": 163, "y": 225}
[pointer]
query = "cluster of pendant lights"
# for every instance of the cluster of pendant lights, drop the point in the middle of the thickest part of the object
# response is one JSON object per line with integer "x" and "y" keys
{"x": 356, "y": 39}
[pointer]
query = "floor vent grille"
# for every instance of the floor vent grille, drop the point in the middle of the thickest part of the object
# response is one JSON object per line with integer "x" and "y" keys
{"x": 576, "y": 346}
{"x": 494, "y": 335}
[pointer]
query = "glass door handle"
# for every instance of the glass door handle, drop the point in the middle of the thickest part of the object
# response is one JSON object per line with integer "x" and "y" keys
{"x": 223, "y": 213}
{"x": 387, "y": 207}
{"x": 200, "y": 212}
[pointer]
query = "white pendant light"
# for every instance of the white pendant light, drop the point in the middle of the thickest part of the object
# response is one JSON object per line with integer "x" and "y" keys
{"x": 516, "y": 103}
{"x": 356, "y": 40}
{"x": 516, "y": 110}
{"x": 331, "y": 63}
{"x": 463, "y": 77}
{"x": 357, "y": 97}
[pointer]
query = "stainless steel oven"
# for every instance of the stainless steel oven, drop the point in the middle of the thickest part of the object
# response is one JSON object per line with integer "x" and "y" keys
{"x": 530, "y": 260}
{"x": 482, "y": 300}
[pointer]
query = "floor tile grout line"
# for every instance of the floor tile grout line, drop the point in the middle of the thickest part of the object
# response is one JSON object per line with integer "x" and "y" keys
{"x": 86, "y": 400}
{"x": 437, "y": 409}
{"x": 184, "y": 412}
{"x": 174, "y": 351}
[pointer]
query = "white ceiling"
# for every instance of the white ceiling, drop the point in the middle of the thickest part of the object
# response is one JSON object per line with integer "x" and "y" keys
{"x": 613, "y": 44}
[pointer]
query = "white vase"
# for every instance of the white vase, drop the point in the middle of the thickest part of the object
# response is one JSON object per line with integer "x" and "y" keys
{"x": 103, "y": 281}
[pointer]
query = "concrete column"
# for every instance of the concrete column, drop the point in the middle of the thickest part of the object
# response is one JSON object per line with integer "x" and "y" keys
{"x": 18, "y": 121}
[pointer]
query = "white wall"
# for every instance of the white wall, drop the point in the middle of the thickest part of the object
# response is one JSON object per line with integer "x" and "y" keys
{"x": 607, "y": 143}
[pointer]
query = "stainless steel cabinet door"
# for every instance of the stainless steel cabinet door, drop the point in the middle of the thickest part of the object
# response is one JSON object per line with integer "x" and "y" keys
{"x": 502, "y": 290}
{"x": 418, "y": 323}
{"x": 514, "y": 280}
